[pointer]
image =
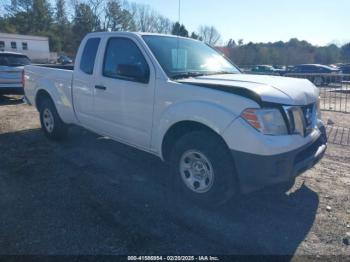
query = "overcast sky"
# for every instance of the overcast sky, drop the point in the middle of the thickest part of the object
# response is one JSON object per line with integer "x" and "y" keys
{"x": 318, "y": 21}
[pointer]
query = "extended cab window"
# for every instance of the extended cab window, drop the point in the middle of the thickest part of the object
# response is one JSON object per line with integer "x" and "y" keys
{"x": 88, "y": 57}
{"x": 124, "y": 60}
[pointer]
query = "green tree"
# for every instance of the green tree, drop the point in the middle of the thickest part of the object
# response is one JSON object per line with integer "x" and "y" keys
{"x": 19, "y": 16}
{"x": 179, "y": 29}
{"x": 61, "y": 29}
{"x": 231, "y": 43}
{"x": 345, "y": 53}
{"x": 41, "y": 16}
{"x": 117, "y": 18}
{"x": 195, "y": 36}
{"x": 84, "y": 22}
{"x": 61, "y": 14}
{"x": 6, "y": 27}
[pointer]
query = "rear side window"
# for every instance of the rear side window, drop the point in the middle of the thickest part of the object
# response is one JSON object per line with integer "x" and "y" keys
{"x": 324, "y": 70}
{"x": 88, "y": 57}
{"x": 13, "y": 60}
{"x": 311, "y": 69}
{"x": 296, "y": 69}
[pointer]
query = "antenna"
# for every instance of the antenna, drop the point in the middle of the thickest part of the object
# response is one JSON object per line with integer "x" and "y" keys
{"x": 178, "y": 37}
{"x": 179, "y": 18}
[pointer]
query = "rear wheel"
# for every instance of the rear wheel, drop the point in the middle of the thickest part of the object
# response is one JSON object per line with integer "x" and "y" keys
{"x": 51, "y": 123}
{"x": 203, "y": 169}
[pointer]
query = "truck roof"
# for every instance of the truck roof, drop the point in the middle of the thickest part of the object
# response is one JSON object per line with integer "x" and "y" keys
{"x": 11, "y": 53}
{"x": 132, "y": 33}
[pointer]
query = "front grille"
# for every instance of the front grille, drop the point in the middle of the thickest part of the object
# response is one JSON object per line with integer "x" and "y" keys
{"x": 301, "y": 119}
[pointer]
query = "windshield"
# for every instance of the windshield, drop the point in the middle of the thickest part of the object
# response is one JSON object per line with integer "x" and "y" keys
{"x": 13, "y": 60}
{"x": 182, "y": 57}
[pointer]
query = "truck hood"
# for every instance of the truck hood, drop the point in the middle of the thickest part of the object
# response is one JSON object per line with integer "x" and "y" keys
{"x": 273, "y": 89}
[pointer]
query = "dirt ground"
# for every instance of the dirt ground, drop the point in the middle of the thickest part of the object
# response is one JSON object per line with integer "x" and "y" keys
{"x": 90, "y": 195}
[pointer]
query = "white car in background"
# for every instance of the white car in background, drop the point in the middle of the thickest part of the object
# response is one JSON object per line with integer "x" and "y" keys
{"x": 11, "y": 72}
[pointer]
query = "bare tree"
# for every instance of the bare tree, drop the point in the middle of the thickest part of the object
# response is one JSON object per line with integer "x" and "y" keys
{"x": 97, "y": 8}
{"x": 210, "y": 35}
{"x": 117, "y": 18}
{"x": 148, "y": 20}
{"x": 164, "y": 25}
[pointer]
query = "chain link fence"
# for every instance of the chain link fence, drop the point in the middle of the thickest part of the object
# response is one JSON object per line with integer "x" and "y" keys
{"x": 334, "y": 90}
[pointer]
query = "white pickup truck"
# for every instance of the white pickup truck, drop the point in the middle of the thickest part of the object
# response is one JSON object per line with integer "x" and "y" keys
{"x": 223, "y": 132}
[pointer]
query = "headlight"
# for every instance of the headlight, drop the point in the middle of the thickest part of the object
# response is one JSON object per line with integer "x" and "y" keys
{"x": 268, "y": 121}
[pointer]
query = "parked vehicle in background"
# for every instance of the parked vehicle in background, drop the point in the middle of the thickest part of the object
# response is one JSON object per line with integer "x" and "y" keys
{"x": 11, "y": 72}
{"x": 334, "y": 66}
{"x": 64, "y": 60}
{"x": 345, "y": 69}
{"x": 266, "y": 69}
{"x": 35, "y": 47}
{"x": 222, "y": 132}
{"x": 316, "y": 73}
{"x": 280, "y": 67}
{"x": 339, "y": 64}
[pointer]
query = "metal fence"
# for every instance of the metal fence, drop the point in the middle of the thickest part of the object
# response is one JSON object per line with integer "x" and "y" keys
{"x": 334, "y": 90}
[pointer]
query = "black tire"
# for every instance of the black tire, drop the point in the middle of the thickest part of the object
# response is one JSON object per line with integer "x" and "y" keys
{"x": 59, "y": 129}
{"x": 225, "y": 182}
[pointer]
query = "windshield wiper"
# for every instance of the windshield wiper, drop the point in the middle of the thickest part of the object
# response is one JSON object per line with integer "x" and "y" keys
{"x": 195, "y": 74}
{"x": 188, "y": 75}
{"x": 222, "y": 73}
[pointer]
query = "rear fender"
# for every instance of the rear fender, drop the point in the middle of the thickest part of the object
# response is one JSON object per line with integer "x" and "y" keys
{"x": 58, "y": 94}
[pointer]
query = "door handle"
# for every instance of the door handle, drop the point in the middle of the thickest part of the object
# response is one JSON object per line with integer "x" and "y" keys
{"x": 100, "y": 87}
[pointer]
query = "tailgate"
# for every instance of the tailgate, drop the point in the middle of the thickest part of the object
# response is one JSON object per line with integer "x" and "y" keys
{"x": 10, "y": 75}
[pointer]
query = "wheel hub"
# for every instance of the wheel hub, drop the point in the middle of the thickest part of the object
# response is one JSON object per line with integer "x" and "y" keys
{"x": 196, "y": 171}
{"x": 48, "y": 120}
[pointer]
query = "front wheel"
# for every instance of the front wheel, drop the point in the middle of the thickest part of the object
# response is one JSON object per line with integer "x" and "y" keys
{"x": 203, "y": 169}
{"x": 51, "y": 123}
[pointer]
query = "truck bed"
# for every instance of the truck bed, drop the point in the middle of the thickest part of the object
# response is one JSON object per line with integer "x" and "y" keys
{"x": 64, "y": 67}
{"x": 57, "y": 81}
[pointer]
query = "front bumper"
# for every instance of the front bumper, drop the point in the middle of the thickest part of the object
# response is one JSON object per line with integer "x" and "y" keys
{"x": 257, "y": 171}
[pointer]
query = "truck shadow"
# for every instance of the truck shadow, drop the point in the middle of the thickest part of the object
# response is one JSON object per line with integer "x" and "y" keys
{"x": 98, "y": 191}
{"x": 10, "y": 100}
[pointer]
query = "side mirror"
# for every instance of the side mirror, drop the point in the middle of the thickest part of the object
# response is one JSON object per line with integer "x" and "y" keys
{"x": 133, "y": 72}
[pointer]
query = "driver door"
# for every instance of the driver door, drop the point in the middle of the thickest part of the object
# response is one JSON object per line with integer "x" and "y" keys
{"x": 124, "y": 93}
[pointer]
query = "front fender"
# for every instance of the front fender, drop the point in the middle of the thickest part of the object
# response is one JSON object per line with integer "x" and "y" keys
{"x": 214, "y": 116}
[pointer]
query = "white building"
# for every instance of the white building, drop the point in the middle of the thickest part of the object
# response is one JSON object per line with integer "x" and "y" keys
{"x": 35, "y": 47}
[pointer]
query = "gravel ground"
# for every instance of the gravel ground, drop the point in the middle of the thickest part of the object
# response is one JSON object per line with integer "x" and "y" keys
{"x": 91, "y": 195}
